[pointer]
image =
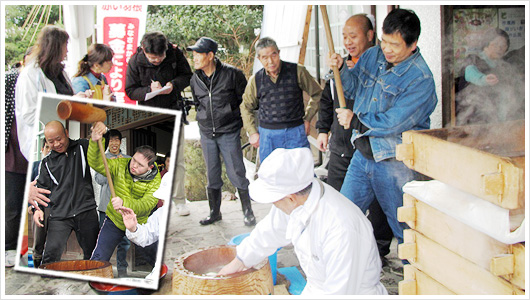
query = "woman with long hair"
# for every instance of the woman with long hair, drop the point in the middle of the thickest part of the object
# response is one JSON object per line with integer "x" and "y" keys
{"x": 91, "y": 69}
{"x": 43, "y": 73}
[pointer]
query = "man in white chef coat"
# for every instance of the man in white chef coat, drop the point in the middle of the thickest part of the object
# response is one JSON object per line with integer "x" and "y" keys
{"x": 332, "y": 238}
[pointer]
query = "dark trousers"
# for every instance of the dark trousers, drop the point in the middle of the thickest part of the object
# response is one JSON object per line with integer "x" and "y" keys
{"x": 146, "y": 255}
{"x": 108, "y": 239}
{"x": 86, "y": 227}
{"x": 15, "y": 184}
{"x": 123, "y": 246}
{"x": 39, "y": 235}
{"x": 337, "y": 168}
{"x": 228, "y": 146}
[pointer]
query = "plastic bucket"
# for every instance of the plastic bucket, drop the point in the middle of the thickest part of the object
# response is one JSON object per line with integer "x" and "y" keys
{"x": 236, "y": 240}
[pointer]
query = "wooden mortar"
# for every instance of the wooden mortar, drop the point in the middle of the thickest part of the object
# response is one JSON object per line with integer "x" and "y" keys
{"x": 83, "y": 267}
{"x": 191, "y": 269}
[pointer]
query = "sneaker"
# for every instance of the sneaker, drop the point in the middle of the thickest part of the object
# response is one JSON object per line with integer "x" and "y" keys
{"x": 182, "y": 209}
{"x": 10, "y": 258}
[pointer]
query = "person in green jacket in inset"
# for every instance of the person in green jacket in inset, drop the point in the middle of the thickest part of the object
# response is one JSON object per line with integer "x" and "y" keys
{"x": 135, "y": 180}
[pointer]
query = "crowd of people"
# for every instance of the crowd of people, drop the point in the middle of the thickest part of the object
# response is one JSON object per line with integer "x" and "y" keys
{"x": 388, "y": 87}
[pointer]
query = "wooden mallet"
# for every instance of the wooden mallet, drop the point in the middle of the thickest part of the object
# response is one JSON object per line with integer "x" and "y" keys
{"x": 87, "y": 114}
{"x": 336, "y": 74}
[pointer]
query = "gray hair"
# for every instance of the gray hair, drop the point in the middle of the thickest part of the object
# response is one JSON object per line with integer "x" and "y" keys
{"x": 265, "y": 43}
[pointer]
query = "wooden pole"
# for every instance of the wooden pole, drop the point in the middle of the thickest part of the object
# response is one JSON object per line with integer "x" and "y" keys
{"x": 33, "y": 17}
{"x": 38, "y": 24}
{"x": 107, "y": 172}
{"x": 303, "y": 47}
{"x": 336, "y": 74}
{"x": 48, "y": 15}
{"x": 29, "y": 17}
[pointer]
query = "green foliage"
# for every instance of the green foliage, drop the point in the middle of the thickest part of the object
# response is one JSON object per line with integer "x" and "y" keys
{"x": 232, "y": 26}
{"x": 18, "y": 38}
{"x": 196, "y": 180}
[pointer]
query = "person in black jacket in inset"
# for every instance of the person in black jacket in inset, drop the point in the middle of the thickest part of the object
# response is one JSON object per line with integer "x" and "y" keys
{"x": 358, "y": 34}
{"x": 156, "y": 64}
{"x": 218, "y": 89}
{"x": 66, "y": 173}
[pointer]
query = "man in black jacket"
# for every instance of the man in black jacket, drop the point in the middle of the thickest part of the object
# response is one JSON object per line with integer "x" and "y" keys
{"x": 157, "y": 64}
{"x": 65, "y": 172}
{"x": 358, "y": 34}
{"x": 218, "y": 89}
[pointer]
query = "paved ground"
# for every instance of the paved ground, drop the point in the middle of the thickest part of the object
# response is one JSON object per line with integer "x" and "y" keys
{"x": 184, "y": 235}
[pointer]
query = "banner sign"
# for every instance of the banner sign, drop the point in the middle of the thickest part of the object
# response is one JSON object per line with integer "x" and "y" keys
{"x": 121, "y": 27}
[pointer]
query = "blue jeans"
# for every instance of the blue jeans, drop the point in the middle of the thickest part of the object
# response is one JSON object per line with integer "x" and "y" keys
{"x": 367, "y": 180}
{"x": 123, "y": 246}
{"x": 288, "y": 138}
{"x": 227, "y": 145}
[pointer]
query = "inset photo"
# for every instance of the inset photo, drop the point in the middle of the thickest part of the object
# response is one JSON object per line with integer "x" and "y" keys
{"x": 98, "y": 192}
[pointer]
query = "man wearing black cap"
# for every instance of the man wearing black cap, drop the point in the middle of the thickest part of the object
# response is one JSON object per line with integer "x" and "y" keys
{"x": 218, "y": 89}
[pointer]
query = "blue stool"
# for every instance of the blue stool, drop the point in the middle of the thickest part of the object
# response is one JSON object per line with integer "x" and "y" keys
{"x": 236, "y": 240}
{"x": 30, "y": 261}
{"x": 296, "y": 279}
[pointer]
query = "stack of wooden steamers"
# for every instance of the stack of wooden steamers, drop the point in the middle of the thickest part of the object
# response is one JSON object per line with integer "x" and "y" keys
{"x": 466, "y": 233}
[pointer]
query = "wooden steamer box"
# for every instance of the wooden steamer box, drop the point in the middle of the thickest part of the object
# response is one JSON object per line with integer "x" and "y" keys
{"x": 456, "y": 256}
{"x": 484, "y": 160}
{"x": 447, "y": 256}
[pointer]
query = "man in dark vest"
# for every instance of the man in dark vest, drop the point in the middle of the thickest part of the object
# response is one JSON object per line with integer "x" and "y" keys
{"x": 276, "y": 91}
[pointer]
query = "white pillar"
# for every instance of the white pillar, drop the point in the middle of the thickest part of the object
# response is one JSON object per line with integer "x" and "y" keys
{"x": 79, "y": 22}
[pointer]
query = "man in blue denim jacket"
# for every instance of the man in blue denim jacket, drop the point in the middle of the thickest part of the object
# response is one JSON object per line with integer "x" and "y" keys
{"x": 394, "y": 91}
